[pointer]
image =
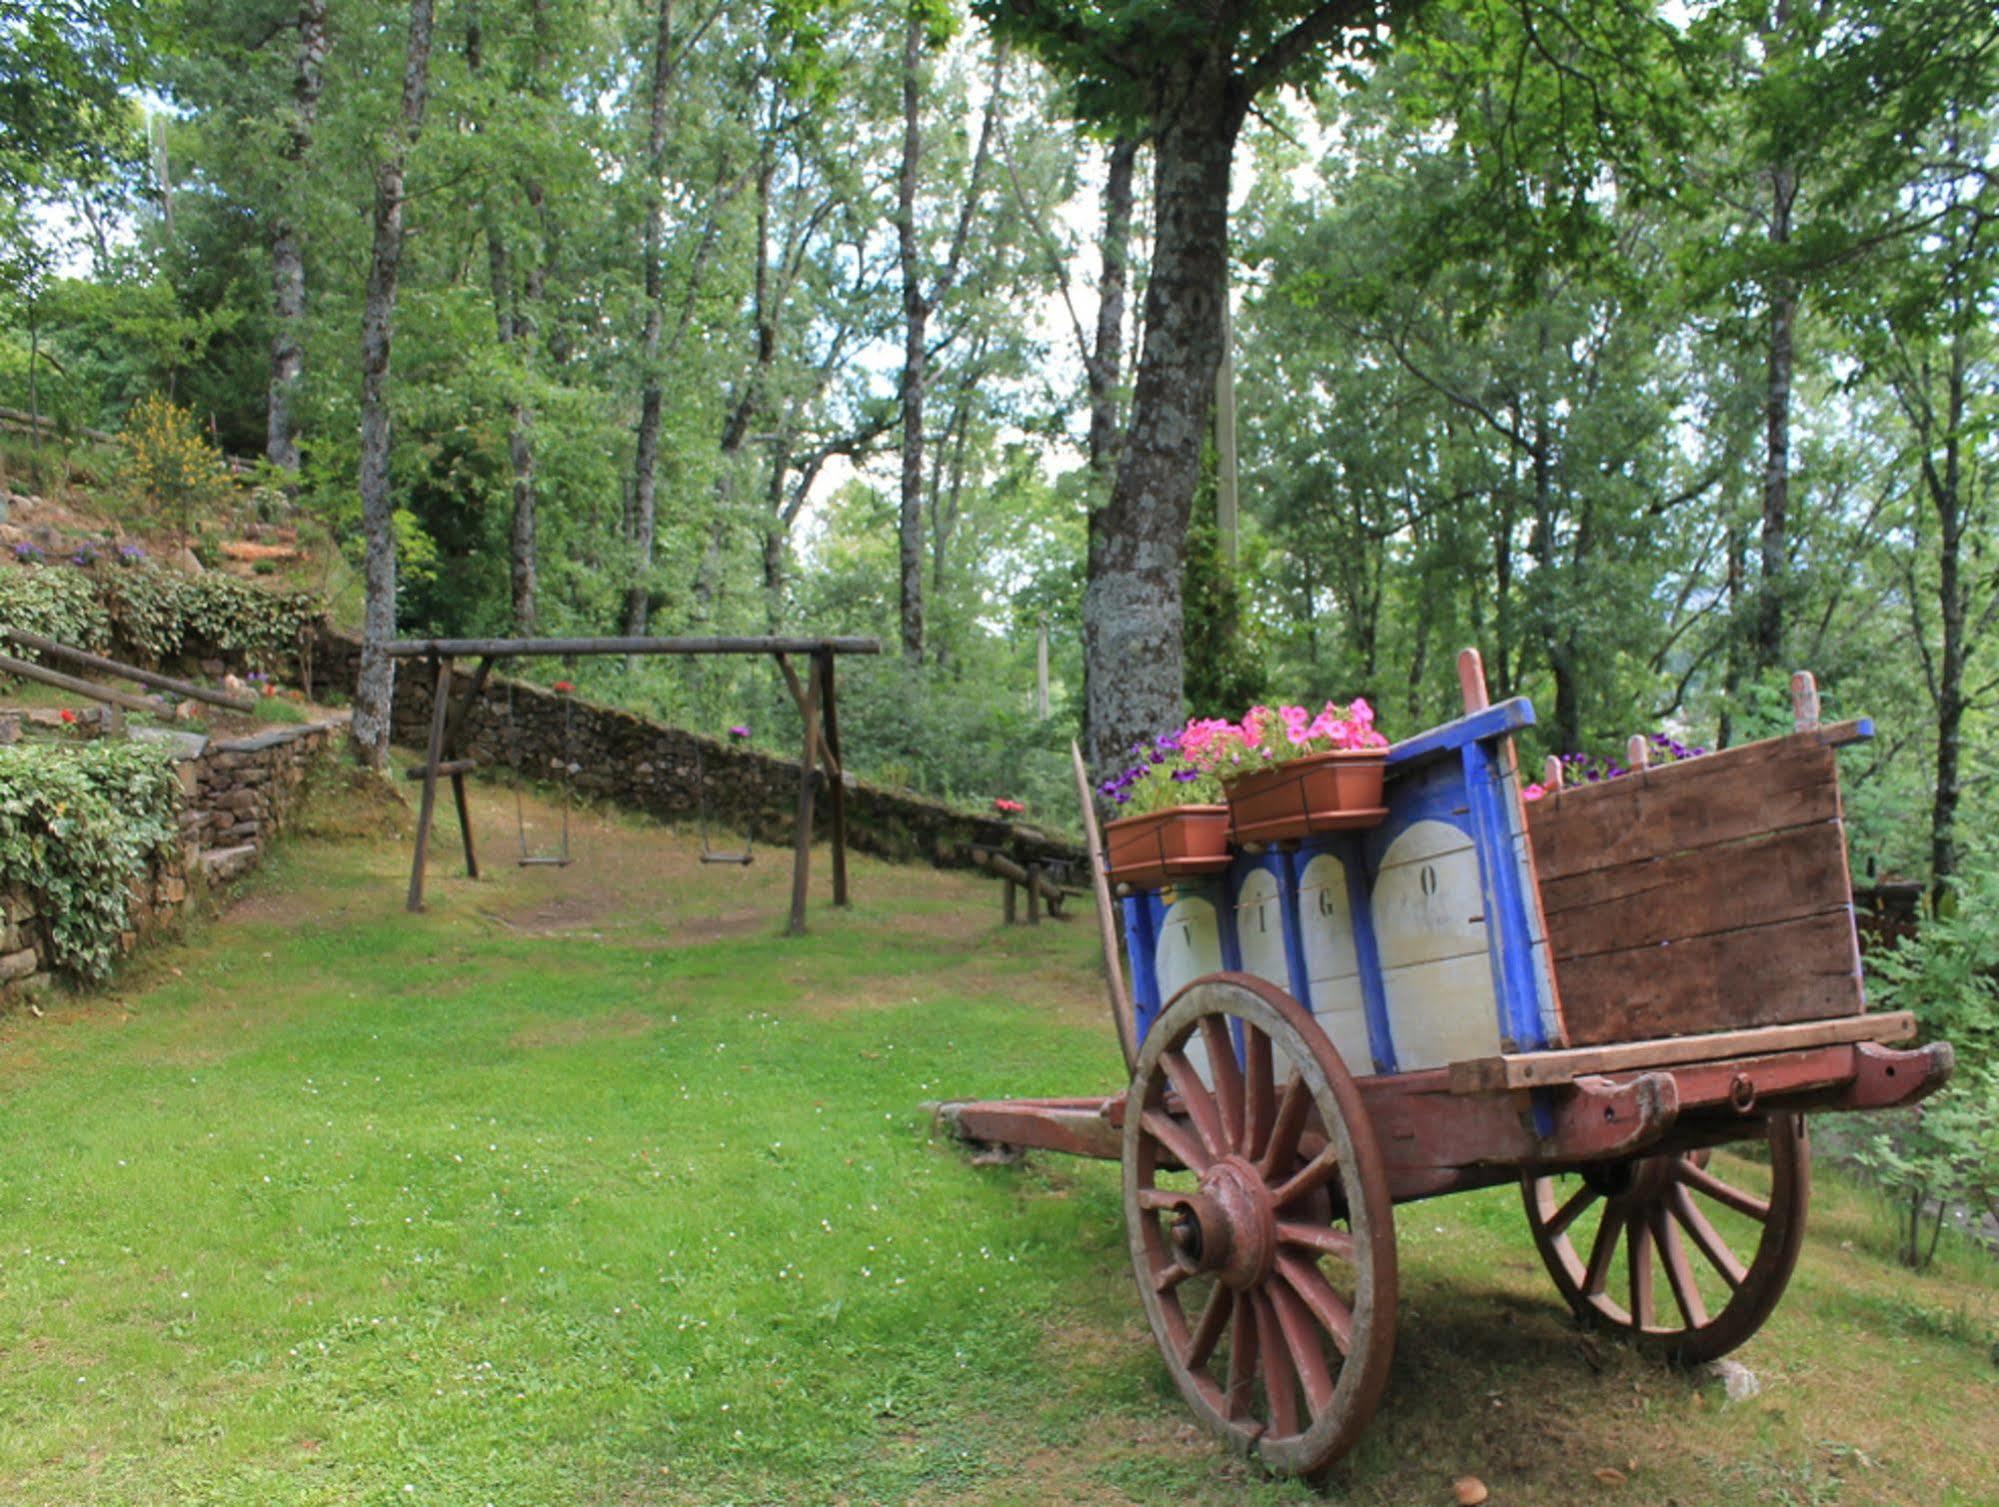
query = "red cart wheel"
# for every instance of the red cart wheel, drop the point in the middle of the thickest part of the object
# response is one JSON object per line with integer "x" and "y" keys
{"x": 1260, "y": 1225}
{"x": 1637, "y": 1220}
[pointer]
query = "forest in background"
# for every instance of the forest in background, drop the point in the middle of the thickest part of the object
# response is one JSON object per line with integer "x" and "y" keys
{"x": 1648, "y": 348}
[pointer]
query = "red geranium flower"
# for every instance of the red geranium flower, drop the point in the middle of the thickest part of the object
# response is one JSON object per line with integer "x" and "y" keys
{"x": 1010, "y": 808}
{"x": 564, "y": 686}
{"x": 68, "y": 715}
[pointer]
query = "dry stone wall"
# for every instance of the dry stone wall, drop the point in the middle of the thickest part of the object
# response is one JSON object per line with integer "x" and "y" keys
{"x": 237, "y": 794}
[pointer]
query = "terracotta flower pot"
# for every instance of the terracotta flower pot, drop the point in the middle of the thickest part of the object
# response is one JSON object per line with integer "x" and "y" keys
{"x": 1336, "y": 791}
{"x": 1161, "y": 846}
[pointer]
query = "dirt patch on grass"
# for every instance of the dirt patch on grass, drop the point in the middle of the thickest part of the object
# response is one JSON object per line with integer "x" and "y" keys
{"x": 619, "y": 1025}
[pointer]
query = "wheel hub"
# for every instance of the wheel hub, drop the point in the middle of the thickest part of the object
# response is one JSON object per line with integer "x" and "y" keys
{"x": 1228, "y": 1228}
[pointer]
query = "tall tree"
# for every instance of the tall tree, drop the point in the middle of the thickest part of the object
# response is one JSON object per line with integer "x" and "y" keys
{"x": 644, "y": 508}
{"x": 1187, "y": 77}
{"x": 375, "y": 687}
{"x": 287, "y": 242}
{"x": 925, "y": 289}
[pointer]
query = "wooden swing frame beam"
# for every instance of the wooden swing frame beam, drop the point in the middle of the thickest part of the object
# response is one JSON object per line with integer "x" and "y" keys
{"x": 818, "y": 707}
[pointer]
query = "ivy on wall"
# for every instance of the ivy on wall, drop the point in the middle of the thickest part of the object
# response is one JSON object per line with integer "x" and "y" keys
{"x": 156, "y": 613}
{"x": 80, "y": 824}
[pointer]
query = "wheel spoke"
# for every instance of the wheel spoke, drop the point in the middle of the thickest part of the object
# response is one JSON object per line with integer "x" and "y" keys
{"x": 1301, "y": 1339}
{"x": 1565, "y": 1216}
{"x": 1638, "y": 1260}
{"x": 1327, "y": 1306}
{"x": 1183, "y": 1147}
{"x": 1679, "y": 1272}
{"x": 1280, "y": 1379}
{"x": 1169, "y": 1276}
{"x": 1598, "y": 1272}
{"x": 1321, "y": 1240}
{"x": 1227, "y": 1077}
{"x": 1259, "y": 1094}
{"x": 1208, "y": 1329}
{"x": 1314, "y": 1174}
{"x": 1154, "y": 1199}
{"x": 1743, "y": 1203}
{"x": 1290, "y": 1125}
{"x": 1199, "y": 1102}
{"x": 1707, "y": 1237}
{"x": 1242, "y": 1359}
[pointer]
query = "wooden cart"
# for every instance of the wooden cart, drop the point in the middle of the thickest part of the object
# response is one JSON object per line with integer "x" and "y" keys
{"x": 1585, "y": 994}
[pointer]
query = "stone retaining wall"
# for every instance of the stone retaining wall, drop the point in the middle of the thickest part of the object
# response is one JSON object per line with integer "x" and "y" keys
{"x": 657, "y": 769}
{"x": 236, "y": 795}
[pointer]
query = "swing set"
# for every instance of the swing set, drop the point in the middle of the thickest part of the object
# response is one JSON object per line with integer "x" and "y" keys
{"x": 814, "y": 694}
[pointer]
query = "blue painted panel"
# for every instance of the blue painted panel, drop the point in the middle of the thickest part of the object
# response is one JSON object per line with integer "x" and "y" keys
{"x": 1494, "y": 722}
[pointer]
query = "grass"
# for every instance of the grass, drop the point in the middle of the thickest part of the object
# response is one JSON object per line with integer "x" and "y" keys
{"x": 586, "y": 1186}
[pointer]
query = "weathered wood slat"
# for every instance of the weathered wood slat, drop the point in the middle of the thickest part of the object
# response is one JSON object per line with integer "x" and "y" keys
{"x": 123, "y": 671}
{"x": 1543, "y": 1069}
{"x": 1802, "y": 969}
{"x": 1759, "y": 881}
{"x": 1696, "y": 803}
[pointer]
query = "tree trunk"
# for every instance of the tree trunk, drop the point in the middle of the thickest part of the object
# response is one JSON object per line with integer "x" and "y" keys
{"x": 645, "y": 457}
{"x": 376, "y": 682}
{"x": 1132, "y": 604}
{"x": 915, "y": 339}
{"x": 1952, "y": 602}
{"x": 287, "y": 245}
{"x": 1767, "y": 641}
{"x": 1106, "y": 363}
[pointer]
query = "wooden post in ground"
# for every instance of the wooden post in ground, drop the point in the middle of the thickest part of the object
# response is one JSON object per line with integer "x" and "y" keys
{"x": 440, "y": 703}
{"x": 836, "y": 771}
{"x": 1034, "y": 894}
{"x": 1007, "y": 904}
{"x": 801, "y": 858}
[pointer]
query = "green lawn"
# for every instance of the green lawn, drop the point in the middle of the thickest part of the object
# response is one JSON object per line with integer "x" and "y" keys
{"x": 589, "y": 1187}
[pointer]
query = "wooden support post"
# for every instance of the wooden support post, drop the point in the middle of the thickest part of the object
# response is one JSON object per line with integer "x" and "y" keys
{"x": 1471, "y": 681}
{"x": 1804, "y": 701}
{"x": 440, "y": 702}
{"x": 1007, "y": 905}
{"x": 1034, "y": 894}
{"x": 465, "y": 824}
{"x": 103, "y": 695}
{"x": 801, "y": 858}
{"x": 454, "y": 735}
{"x": 1107, "y": 936}
{"x": 829, "y": 711}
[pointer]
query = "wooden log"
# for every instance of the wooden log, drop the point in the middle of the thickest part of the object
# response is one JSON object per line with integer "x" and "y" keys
{"x": 448, "y": 767}
{"x": 1033, "y": 888}
{"x": 465, "y": 825}
{"x": 517, "y": 648}
{"x": 101, "y": 694}
{"x": 797, "y": 689}
{"x": 440, "y": 704}
{"x": 182, "y": 688}
{"x": 1007, "y": 901}
{"x": 1519, "y": 1070}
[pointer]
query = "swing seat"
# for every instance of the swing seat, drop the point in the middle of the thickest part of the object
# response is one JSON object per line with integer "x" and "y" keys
{"x": 542, "y": 861}
{"x": 742, "y": 859}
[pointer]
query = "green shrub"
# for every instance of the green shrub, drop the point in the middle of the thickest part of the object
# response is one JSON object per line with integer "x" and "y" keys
{"x": 1945, "y": 1152}
{"x": 78, "y": 827}
{"x": 158, "y": 613}
{"x": 56, "y": 603}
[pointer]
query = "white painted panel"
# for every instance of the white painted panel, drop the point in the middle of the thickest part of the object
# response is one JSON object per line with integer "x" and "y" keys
{"x": 1190, "y": 946}
{"x": 1442, "y": 1012}
{"x": 1332, "y": 962}
{"x": 1259, "y": 927}
{"x": 1429, "y": 929}
{"x": 1427, "y": 902}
